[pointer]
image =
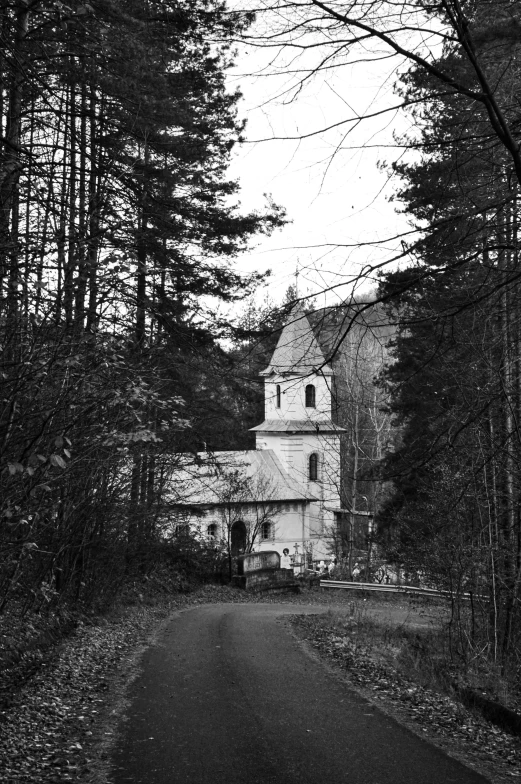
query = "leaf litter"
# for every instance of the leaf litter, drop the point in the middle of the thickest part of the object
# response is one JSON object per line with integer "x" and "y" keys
{"x": 444, "y": 721}
{"x": 51, "y": 727}
{"x": 58, "y": 726}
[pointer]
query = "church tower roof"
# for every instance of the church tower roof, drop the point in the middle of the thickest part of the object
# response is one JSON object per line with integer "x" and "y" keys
{"x": 297, "y": 351}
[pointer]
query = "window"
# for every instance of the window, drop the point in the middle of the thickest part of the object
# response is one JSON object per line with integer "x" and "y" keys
{"x": 266, "y": 531}
{"x": 278, "y": 396}
{"x": 182, "y": 530}
{"x": 310, "y": 396}
{"x": 211, "y": 531}
{"x": 313, "y": 467}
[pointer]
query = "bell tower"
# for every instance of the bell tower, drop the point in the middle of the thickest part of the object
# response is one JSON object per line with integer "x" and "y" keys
{"x": 298, "y": 398}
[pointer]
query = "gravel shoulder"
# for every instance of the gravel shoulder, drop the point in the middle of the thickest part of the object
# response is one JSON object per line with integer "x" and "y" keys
{"x": 60, "y": 725}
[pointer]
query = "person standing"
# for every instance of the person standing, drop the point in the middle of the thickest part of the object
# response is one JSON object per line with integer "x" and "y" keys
{"x": 285, "y": 561}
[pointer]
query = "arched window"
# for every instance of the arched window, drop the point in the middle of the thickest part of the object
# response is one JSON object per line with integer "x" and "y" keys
{"x": 278, "y": 395}
{"x": 266, "y": 531}
{"x": 313, "y": 467}
{"x": 211, "y": 531}
{"x": 310, "y": 396}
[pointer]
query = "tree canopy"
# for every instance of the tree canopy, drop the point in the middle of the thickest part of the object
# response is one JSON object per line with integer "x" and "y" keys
{"x": 118, "y": 230}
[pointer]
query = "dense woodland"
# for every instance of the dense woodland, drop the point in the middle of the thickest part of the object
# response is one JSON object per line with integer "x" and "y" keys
{"x": 118, "y": 229}
{"x": 454, "y": 379}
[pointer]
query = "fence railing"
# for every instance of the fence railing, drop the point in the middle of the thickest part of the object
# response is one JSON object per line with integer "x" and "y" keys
{"x": 386, "y": 588}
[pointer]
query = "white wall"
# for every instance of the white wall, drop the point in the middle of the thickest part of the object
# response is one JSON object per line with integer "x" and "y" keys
{"x": 298, "y": 522}
{"x": 293, "y": 452}
{"x": 293, "y": 398}
{"x": 304, "y": 527}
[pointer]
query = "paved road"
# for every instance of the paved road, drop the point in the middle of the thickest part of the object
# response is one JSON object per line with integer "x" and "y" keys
{"x": 228, "y": 696}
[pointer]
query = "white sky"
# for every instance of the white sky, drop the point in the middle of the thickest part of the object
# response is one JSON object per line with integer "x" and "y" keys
{"x": 329, "y": 184}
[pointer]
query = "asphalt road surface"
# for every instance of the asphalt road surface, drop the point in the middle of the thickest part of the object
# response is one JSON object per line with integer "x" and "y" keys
{"x": 228, "y": 696}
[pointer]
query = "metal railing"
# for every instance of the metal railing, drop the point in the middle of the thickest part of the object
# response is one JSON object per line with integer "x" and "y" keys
{"x": 386, "y": 588}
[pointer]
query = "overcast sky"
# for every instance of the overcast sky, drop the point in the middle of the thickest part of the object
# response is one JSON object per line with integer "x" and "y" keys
{"x": 330, "y": 184}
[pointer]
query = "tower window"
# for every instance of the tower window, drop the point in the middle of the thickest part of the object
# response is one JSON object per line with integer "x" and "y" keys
{"x": 266, "y": 530}
{"x": 278, "y": 396}
{"x": 313, "y": 467}
{"x": 310, "y": 396}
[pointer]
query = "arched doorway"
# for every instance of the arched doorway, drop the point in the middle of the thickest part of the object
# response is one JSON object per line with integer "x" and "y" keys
{"x": 238, "y": 538}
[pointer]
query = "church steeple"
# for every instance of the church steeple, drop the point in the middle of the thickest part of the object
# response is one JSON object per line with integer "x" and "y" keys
{"x": 297, "y": 351}
{"x": 298, "y": 426}
{"x": 298, "y": 383}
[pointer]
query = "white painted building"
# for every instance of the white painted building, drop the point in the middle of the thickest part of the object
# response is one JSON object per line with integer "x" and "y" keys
{"x": 285, "y": 493}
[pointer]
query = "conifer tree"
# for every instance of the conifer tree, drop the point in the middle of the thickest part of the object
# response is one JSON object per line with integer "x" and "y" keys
{"x": 454, "y": 380}
{"x": 117, "y": 226}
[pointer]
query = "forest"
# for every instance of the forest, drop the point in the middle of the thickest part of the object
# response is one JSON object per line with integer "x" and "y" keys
{"x": 118, "y": 227}
{"x": 454, "y": 376}
{"x": 118, "y": 232}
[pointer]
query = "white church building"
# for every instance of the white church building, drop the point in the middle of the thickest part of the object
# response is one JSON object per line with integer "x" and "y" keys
{"x": 286, "y": 492}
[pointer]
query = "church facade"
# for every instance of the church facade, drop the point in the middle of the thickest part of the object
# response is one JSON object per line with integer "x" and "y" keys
{"x": 286, "y": 492}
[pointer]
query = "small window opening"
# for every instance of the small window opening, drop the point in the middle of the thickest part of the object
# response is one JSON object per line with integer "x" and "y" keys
{"x": 278, "y": 395}
{"x": 310, "y": 396}
{"x": 266, "y": 531}
{"x": 211, "y": 531}
{"x": 313, "y": 467}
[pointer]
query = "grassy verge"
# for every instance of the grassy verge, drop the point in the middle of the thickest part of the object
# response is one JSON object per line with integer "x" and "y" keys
{"x": 422, "y": 652}
{"x": 406, "y": 667}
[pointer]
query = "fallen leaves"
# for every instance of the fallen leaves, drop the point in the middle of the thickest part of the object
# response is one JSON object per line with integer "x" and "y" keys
{"x": 439, "y": 717}
{"x": 52, "y": 711}
{"x": 43, "y": 728}
{"x": 53, "y": 725}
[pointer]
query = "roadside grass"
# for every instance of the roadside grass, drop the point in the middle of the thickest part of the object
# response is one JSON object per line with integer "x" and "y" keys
{"x": 425, "y": 652}
{"x": 397, "y": 656}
